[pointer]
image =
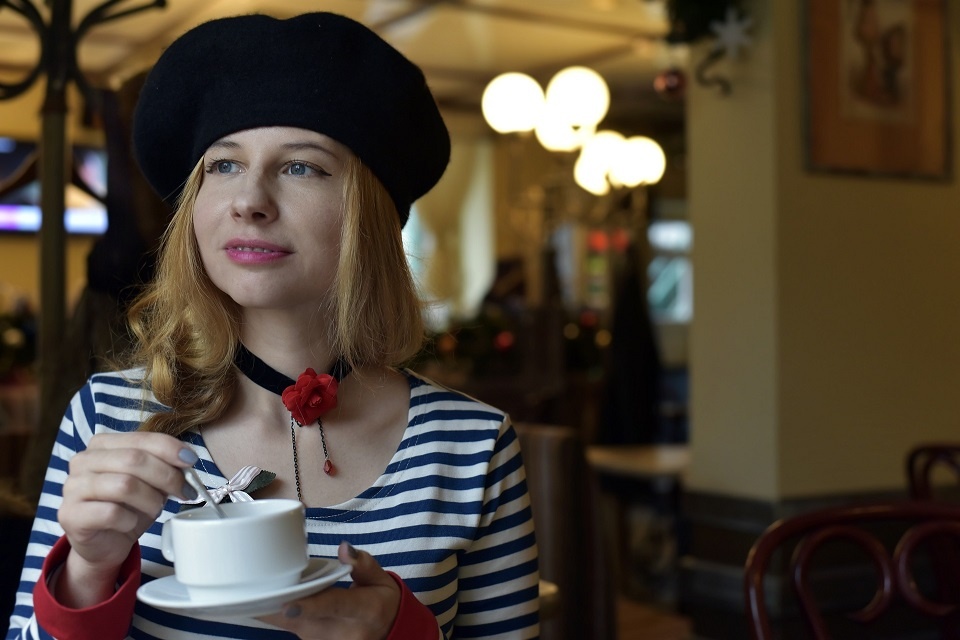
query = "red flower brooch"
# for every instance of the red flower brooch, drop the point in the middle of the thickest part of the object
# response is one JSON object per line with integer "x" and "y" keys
{"x": 311, "y": 396}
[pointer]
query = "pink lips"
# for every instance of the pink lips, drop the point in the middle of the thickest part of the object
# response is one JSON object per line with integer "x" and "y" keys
{"x": 254, "y": 251}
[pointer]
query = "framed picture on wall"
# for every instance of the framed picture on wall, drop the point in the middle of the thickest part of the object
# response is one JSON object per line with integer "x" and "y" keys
{"x": 877, "y": 87}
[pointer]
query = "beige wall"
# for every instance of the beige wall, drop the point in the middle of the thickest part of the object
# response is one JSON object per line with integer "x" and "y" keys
{"x": 20, "y": 265}
{"x": 731, "y": 198}
{"x": 20, "y": 117}
{"x": 825, "y": 341}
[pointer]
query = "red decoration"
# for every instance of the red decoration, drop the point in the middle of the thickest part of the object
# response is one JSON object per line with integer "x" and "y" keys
{"x": 670, "y": 84}
{"x": 311, "y": 396}
{"x": 503, "y": 341}
{"x": 589, "y": 318}
{"x": 597, "y": 241}
{"x": 328, "y": 468}
{"x": 619, "y": 239}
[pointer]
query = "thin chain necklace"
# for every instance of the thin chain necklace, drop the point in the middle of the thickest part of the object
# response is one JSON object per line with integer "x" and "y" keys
{"x": 270, "y": 379}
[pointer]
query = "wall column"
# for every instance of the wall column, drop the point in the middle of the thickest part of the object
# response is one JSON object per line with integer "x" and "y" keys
{"x": 826, "y": 335}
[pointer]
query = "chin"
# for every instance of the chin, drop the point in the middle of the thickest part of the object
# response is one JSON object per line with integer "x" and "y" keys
{"x": 275, "y": 302}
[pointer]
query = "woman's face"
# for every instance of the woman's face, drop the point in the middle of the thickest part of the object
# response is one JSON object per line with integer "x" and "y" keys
{"x": 268, "y": 216}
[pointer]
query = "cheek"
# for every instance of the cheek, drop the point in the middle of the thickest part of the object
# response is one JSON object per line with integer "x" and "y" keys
{"x": 328, "y": 243}
{"x": 204, "y": 226}
{"x": 203, "y": 218}
{"x": 322, "y": 223}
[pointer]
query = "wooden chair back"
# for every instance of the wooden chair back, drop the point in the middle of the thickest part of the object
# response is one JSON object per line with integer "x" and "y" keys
{"x": 918, "y": 524}
{"x": 924, "y": 460}
{"x": 572, "y": 556}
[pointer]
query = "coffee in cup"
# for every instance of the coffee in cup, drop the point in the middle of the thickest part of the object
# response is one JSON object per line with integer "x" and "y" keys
{"x": 260, "y": 546}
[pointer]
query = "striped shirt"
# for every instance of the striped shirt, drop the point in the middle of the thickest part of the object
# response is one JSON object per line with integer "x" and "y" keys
{"x": 450, "y": 515}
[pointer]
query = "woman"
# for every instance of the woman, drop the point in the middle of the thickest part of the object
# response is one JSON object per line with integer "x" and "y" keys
{"x": 295, "y": 149}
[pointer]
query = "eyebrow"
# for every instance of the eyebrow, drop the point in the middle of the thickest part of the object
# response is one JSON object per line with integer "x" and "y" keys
{"x": 227, "y": 143}
{"x": 299, "y": 146}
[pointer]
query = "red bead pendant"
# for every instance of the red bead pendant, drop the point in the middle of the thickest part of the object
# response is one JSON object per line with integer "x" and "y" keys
{"x": 328, "y": 468}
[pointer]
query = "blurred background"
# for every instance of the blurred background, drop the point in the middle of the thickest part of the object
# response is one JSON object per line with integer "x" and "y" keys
{"x": 711, "y": 238}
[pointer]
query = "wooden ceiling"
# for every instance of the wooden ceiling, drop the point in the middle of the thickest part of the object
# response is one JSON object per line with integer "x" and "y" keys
{"x": 460, "y": 44}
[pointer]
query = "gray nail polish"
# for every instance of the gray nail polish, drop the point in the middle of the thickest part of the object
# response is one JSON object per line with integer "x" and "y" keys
{"x": 188, "y": 456}
{"x": 189, "y": 492}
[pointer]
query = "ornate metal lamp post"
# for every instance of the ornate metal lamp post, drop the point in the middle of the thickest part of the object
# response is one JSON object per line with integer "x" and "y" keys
{"x": 58, "y": 61}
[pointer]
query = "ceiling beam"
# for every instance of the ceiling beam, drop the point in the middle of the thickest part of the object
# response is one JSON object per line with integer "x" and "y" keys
{"x": 540, "y": 18}
{"x": 420, "y": 8}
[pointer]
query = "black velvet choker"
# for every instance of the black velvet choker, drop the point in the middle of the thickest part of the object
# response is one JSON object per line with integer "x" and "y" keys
{"x": 305, "y": 404}
{"x": 269, "y": 378}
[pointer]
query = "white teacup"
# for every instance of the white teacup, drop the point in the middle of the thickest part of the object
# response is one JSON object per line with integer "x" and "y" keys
{"x": 259, "y": 547}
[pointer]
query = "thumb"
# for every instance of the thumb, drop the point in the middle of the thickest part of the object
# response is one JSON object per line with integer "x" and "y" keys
{"x": 366, "y": 570}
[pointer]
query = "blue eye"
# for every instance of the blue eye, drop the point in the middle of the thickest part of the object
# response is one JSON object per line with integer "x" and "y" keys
{"x": 300, "y": 168}
{"x": 221, "y": 166}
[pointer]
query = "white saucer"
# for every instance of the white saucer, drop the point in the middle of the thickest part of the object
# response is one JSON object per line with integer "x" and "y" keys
{"x": 168, "y": 594}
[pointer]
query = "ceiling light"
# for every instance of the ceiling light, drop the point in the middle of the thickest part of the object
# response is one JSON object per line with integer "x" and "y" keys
{"x": 608, "y": 157}
{"x": 556, "y": 134}
{"x": 596, "y": 157}
{"x": 580, "y": 95}
{"x": 642, "y": 161}
{"x": 639, "y": 160}
{"x": 591, "y": 176}
{"x": 512, "y": 102}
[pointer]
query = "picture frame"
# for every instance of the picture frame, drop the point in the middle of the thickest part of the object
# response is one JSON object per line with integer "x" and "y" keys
{"x": 877, "y": 88}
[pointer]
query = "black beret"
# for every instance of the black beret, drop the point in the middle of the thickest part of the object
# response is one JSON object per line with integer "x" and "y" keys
{"x": 318, "y": 71}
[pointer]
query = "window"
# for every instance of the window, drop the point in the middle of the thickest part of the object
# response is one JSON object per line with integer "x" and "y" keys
{"x": 671, "y": 279}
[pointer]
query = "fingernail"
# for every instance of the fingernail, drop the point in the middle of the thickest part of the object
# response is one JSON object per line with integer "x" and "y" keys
{"x": 188, "y": 456}
{"x": 353, "y": 552}
{"x": 293, "y": 611}
{"x": 189, "y": 492}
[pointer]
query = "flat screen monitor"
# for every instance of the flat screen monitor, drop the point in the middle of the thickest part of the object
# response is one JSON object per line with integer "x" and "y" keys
{"x": 20, "y": 208}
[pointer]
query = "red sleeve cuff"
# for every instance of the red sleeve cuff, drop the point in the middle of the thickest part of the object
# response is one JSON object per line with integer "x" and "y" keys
{"x": 105, "y": 621}
{"x": 414, "y": 619}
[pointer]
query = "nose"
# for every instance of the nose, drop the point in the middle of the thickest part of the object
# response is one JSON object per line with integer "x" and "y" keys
{"x": 253, "y": 199}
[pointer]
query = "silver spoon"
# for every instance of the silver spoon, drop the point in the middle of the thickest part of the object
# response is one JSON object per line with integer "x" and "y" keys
{"x": 195, "y": 482}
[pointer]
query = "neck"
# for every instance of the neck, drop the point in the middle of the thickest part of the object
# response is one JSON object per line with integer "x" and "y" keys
{"x": 269, "y": 378}
{"x": 289, "y": 342}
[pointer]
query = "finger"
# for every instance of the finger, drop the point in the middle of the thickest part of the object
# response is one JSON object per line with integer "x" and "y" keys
{"x": 337, "y": 613}
{"x": 366, "y": 570}
{"x": 128, "y": 468}
{"x": 88, "y": 518}
{"x": 366, "y": 609}
{"x": 124, "y": 488}
{"x": 101, "y": 532}
{"x": 161, "y": 445}
{"x": 315, "y": 626}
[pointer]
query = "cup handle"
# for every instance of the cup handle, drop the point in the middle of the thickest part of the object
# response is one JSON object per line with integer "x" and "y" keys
{"x": 166, "y": 541}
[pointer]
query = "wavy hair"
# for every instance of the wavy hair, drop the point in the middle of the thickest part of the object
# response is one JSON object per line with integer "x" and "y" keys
{"x": 187, "y": 330}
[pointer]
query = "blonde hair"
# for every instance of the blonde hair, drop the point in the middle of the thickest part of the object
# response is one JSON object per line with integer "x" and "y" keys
{"x": 187, "y": 329}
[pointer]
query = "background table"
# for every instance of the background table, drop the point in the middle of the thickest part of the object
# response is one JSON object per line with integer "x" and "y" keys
{"x": 19, "y": 414}
{"x": 642, "y": 488}
{"x": 643, "y": 462}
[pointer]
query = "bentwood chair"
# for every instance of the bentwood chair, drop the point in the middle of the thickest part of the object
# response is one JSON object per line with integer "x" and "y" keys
{"x": 928, "y": 464}
{"x": 923, "y": 463}
{"x": 828, "y": 590}
{"x": 572, "y": 556}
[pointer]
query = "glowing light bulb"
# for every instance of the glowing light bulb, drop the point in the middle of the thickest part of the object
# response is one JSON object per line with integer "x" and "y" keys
{"x": 512, "y": 102}
{"x": 640, "y": 160}
{"x": 580, "y": 95}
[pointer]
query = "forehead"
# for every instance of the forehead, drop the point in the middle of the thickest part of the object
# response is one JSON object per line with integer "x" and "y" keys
{"x": 282, "y": 139}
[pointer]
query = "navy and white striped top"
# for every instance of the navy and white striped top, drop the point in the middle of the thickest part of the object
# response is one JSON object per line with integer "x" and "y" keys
{"x": 450, "y": 515}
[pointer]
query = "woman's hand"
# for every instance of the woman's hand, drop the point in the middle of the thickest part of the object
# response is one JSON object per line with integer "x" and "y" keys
{"x": 365, "y": 611}
{"x": 114, "y": 491}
